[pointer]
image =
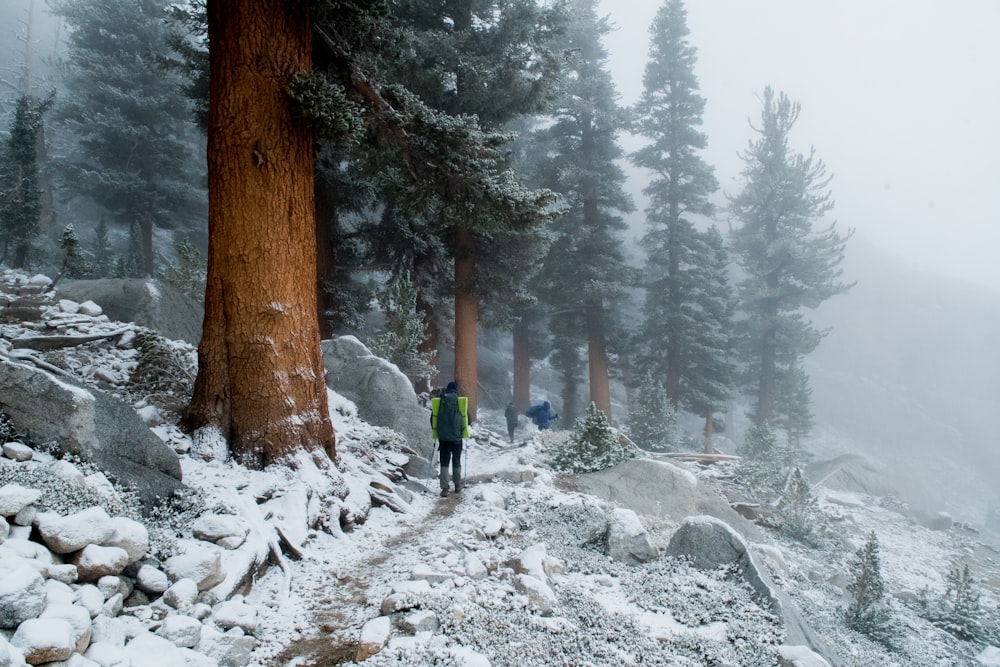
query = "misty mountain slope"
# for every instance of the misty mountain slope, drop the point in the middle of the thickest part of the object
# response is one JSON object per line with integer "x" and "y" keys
{"x": 908, "y": 375}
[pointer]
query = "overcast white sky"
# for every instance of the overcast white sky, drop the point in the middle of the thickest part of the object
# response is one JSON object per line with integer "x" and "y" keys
{"x": 900, "y": 98}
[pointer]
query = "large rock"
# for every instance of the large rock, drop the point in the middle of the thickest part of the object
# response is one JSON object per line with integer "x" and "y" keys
{"x": 151, "y": 304}
{"x": 709, "y": 543}
{"x": 383, "y": 394}
{"x": 22, "y": 593}
{"x": 628, "y": 540}
{"x": 657, "y": 488}
{"x": 91, "y": 424}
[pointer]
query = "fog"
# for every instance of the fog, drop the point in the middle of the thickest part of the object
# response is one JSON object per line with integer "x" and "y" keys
{"x": 899, "y": 98}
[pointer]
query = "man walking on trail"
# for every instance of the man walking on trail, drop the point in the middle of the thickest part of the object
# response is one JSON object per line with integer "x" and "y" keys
{"x": 511, "y": 414}
{"x": 449, "y": 424}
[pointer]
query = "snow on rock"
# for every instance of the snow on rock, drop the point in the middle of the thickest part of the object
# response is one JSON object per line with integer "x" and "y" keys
{"x": 710, "y": 543}
{"x": 538, "y": 593}
{"x": 180, "y": 630}
{"x": 90, "y": 309}
{"x": 182, "y": 594}
{"x": 64, "y": 535}
{"x": 989, "y": 657}
{"x": 800, "y": 656}
{"x": 22, "y": 592}
{"x": 201, "y": 564}
{"x": 78, "y": 618}
{"x": 14, "y": 498}
{"x": 18, "y": 451}
{"x": 217, "y": 527}
{"x": 129, "y": 535}
{"x": 374, "y": 636}
{"x": 94, "y": 561}
{"x": 628, "y": 540}
{"x": 151, "y": 579}
{"x": 235, "y": 613}
{"x": 45, "y": 640}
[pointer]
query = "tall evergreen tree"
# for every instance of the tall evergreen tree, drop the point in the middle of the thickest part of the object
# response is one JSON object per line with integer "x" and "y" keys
{"x": 488, "y": 60}
{"x": 868, "y": 611}
{"x": 135, "y": 150}
{"x": 264, "y": 207}
{"x": 788, "y": 264}
{"x": 584, "y": 273}
{"x": 707, "y": 373}
{"x": 20, "y": 193}
{"x": 668, "y": 114}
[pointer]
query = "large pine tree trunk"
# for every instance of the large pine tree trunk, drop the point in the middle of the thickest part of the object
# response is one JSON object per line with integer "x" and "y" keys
{"x": 260, "y": 375}
{"x": 146, "y": 241}
{"x": 597, "y": 358}
{"x": 522, "y": 367}
{"x": 466, "y": 319}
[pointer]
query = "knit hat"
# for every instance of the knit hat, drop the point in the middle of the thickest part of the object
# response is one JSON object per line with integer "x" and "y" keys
{"x": 452, "y": 388}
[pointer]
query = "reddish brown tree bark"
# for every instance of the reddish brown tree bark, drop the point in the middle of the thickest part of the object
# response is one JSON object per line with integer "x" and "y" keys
{"x": 522, "y": 367}
{"x": 597, "y": 358}
{"x": 260, "y": 376}
{"x": 466, "y": 319}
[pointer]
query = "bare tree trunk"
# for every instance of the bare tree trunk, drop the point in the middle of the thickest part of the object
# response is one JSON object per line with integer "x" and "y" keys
{"x": 146, "y": 239}
{"x": 260, "y": 374}
{"x": 326, "y": 213}
{"x": 709, "y": 432}
{"x": 522, "y": 367}
{"x": 466, "y": 319}
{"x": 597, "y": 358}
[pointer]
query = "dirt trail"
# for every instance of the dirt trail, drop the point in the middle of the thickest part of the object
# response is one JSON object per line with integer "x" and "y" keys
{"x": 337, "y": 617}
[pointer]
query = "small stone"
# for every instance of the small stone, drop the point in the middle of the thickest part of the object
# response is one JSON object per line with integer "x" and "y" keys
{"x": 17, "y": 451}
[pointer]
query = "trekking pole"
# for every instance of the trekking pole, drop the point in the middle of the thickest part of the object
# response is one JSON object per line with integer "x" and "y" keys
{"x": 430, "y": 462}
{"x": 465, "y": 481}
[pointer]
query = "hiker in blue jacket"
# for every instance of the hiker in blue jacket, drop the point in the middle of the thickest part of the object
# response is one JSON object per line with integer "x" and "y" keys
{"x": 542, "y": 415}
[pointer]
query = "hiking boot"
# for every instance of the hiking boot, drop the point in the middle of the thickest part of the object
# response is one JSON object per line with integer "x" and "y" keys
{"x": 444, "y": 493}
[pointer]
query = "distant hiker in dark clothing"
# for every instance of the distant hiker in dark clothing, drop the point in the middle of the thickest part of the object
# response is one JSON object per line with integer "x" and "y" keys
{"x": 511, "y": 414}
{"x": 542, "y": 415}
{"x": 449, "y": 424}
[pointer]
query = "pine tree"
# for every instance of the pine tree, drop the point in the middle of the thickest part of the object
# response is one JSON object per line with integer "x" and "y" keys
{"x": 708, "y": 374}
{"x": 73, "y": 264}
{"x": 591, "y": 446}
{"x": 787, "y": 263}
{"x": 868, "y": 612}
{"x": 187, "y": 273}
{"x": 404, "y": 329}
{"x": 20, "y": 194}
{"x": 761, "y": 467}
{"x": 485, "y": 61}
{"x": 134, "y": 148}
{"x": 798, "y": 507}
{"x": 584, "y": 273}
{"x": 102, "y": 250}
{"x": 795, "y": 413}
{"x": 668, "y": 114}
{"x": 653, "y": 421}
{"x": 960, "y": 612}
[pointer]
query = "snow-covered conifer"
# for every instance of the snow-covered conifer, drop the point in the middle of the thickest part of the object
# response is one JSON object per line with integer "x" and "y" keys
{"x": 869, "y": 612}
{"x": 593, "y": 445}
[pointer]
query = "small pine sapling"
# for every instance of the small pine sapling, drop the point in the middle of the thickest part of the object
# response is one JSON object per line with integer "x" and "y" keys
{"x": 959, "y": 612}
{"x": 869, "y": 612}
{"x": 761, "y": 466}
{"x": 404, "y": 330}
{"x": 653, "y": 421}
{"x": 593, "y": 445}
{"x": 798, "y": 507}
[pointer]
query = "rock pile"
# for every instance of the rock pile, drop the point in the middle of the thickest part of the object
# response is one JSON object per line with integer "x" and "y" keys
{"x": 82, "y": 589}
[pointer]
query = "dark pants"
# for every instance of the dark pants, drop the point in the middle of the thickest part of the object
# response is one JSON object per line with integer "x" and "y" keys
{"x": 510, "y": 429}
{"x": 451, "y": 452}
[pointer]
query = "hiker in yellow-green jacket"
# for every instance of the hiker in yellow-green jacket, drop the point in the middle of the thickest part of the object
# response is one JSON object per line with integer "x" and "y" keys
{"x": 449, "y": 424}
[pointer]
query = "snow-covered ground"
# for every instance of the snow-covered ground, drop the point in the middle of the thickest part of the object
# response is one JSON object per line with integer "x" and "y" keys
{"x": 512, "y": 570}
